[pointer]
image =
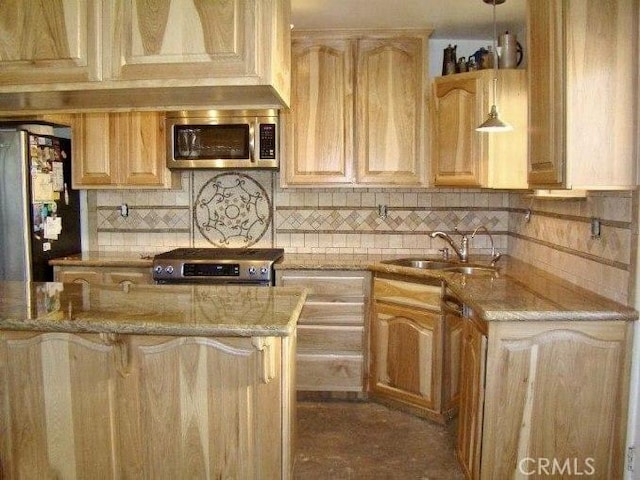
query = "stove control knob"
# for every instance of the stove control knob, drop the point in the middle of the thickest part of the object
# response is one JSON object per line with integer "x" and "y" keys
{"x": 252, "y": 270}
{"x": 158, "y": 269}
{"x": 264, "y": 270}
{"x": 169, "y": 269}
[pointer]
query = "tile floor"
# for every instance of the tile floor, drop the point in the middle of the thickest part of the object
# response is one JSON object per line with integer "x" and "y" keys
{"x": 341, "y": 440}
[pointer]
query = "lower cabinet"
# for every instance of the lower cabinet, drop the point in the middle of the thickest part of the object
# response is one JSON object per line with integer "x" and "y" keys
{"x": 144, "y": 406}
{"x": 415, "y": 350}
{"x": 109, "y": 275}
{"x": 544, "y": 397}
{"x": 331, "y": 349}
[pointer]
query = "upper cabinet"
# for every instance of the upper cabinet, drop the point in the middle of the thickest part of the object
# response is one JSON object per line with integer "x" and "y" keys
{"x": 463, "y": 157}
{"x": 144, "y": 54}
{"x": 120, "y": 150}
{"x": 49, "y": 42}
{"x": 582, "y": 64}
{"x": 358, "y": 109}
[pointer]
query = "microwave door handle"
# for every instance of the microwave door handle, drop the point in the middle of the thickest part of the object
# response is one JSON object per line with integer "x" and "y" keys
{"x": 252, "y": 138}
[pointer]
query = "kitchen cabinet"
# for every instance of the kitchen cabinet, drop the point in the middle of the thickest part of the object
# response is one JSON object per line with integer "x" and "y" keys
{"x": 93, "y": 402}
{"x": 525, "y": 389}
{"x": 120, "y": 150}
{"x": 414, "y": 354}
{"x": 331, "y": 335}
{"x": 110, "y": 275}
{"x": 582, "y": 94}
{"x": 117, "y": 54}
{"x": 358, "y": 111}
{"x": 462, "y": 157}
{"x": 48, "y": 43}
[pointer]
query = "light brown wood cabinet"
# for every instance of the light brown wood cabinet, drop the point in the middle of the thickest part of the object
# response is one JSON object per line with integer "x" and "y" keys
{"x": 546, "y": 391}
{"x": 358, "y": 110}
{"x": 50, "y": 42}
{"x": 465, "y": 158}
{"x": 331, "y": 349}
{"x": 414, "y": 359}
{"x": 582, "y": 94}
{"x": 120, "y": 150}
{"x": 110, "y": 275}
{"x": 144, "y": 406}
{"x": 116, "y": 54}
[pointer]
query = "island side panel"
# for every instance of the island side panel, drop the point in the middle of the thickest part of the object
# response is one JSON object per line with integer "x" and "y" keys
{"x": 157, "y": 406}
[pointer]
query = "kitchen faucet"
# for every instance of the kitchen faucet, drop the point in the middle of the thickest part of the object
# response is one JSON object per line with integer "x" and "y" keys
{"x": 495, "y": 256}
{"x": 462, "y": 252}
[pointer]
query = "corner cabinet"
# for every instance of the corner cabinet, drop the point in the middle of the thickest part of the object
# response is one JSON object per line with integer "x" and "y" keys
{"x": 358, "y": 109}
{"x": 544, "y": 390}
{"x": 582, "y": 94}
{"x": 120, "y": 150}
{"x": 414, "y": 359}
{"x": 462, "y": 157}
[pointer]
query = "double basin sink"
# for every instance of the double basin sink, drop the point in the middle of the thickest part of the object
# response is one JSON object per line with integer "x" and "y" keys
{"x": 444, "y": 266}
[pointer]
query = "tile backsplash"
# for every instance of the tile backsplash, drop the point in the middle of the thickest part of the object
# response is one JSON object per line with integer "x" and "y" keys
{"x": 248, "y": 208}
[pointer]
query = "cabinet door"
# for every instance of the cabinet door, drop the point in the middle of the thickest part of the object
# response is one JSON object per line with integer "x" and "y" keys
{"x": 546, "y": 93}
{"x": 456, "y": 145}
{"x": 319, "y": 143}
{"x": 452, "y": 313}
{"x": 406, "y": 352}
{"x": 49, "y": 42}
{"x": 175, "y": 39}
{"x": 557, "y": 390}
{"x": 473, "y": 364}
{"x": 140, "y": 148}
{"x": 92, "y": 154}
{"x": 390, "y": 111}
{"x": 57, "y": 406}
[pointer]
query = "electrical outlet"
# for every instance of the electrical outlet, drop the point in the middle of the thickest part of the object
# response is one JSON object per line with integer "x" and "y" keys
{"x": 527, "y": 215}
{"x": 595, "y": 227}
{"x": 124, "y": 210}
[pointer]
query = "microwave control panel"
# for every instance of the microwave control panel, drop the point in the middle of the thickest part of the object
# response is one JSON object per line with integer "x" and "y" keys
{"x": 267, "y": 140}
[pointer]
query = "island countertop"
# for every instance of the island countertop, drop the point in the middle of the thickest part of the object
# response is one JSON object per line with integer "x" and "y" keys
{"x": 180, "y": 310}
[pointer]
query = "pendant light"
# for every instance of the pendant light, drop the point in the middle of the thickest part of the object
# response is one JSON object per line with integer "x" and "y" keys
{"x": 493, "y": 124}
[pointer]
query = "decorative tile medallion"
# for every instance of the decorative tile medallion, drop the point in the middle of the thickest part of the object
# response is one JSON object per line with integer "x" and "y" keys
{"x": 232, "y": 209}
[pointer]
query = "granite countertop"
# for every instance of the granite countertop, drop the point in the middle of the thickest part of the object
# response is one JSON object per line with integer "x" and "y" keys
{"x": 184, "y": 310}
{"x": 519, "y": 291}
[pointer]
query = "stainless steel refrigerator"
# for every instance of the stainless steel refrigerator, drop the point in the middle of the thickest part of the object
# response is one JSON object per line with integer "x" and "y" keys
{"x": 39, "y": 212}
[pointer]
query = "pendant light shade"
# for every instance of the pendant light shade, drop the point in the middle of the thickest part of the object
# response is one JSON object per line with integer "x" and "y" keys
{"x": 493, "y": 124}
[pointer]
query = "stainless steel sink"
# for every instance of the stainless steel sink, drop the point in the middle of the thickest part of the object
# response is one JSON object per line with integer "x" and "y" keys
{"x": 472, "y": 270}
{"x": 423, "y": 263}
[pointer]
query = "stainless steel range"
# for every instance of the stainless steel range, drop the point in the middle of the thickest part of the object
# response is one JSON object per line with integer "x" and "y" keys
{"x": 246, "y": 266}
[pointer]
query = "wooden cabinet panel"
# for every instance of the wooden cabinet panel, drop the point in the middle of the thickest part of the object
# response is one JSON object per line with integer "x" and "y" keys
{"x": 471, "y": 406}
{"x": 319, "y": 141}
{"x": 49, "y": 42}
{"x": 407, "y": 350}
{"x": 108, "y": 275}
{"x": 580, "y": 137}
{"x": 409, "y": 294}
{"x": 331, "y": 352}
{"x": 389, "y": 111}
{"x": 120, "y": 150}
{"x": 556, "y": 391}
{"x": 461, "y": 155}
{"x": 358, "y": 111}
{"x": 175, "y": 39}
{"x": 93, "y": 402}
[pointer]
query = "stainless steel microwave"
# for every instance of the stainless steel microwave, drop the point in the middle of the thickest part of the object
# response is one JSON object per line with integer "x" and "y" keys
{"x": 222, "y": 139}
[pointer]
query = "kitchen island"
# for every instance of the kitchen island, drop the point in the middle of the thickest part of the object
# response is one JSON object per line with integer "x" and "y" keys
{"x": 146, "y": 381}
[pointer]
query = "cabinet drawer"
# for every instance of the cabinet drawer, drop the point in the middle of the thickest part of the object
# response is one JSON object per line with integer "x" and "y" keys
{"x": 407, "y": 293}
{"x": 329, "y": 372}
{"x": 336, "y": 340}
{"x": 333, "y": 313}
{"x": 142, "y": 277}
{"x": 340, "y": 286}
